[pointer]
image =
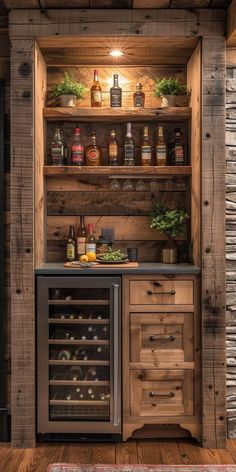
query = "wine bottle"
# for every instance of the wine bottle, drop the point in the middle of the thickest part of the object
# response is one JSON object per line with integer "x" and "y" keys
{"x": 129, "y": 147}
{"x": 81, "y": 238}
{"x": 96, "y": 91}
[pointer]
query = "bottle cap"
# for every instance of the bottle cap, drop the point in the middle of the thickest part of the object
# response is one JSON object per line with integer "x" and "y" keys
{"x": 90, "y": 226}
{"x": 77, "y": 130}
{"x": 95, "y": 71}
{"x": 139, "y": 85}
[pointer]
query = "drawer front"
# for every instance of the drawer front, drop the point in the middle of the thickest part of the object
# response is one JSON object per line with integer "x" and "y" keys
{"x": 165, "y": 337}
{"x": 161, "y": 292}
{"x": 161, "y": 393}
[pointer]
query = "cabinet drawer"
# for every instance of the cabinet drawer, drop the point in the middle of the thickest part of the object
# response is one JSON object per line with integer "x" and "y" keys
{"x": 165, "y": 337}
{"x": 161, "y": 393}
{"x": 161, "y": 292}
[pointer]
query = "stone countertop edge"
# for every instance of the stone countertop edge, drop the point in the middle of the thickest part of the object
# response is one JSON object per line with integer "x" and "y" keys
{"x": 57, "y": 268}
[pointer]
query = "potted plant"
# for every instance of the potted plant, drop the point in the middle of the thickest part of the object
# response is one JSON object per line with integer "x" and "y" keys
{"x": 171, "y": 223}
{"x": 69, "y": 91}
{"x": 168, "y": 89}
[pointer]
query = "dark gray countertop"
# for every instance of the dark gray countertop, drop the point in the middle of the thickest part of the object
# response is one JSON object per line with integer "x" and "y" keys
{"x": 57, "y": 268}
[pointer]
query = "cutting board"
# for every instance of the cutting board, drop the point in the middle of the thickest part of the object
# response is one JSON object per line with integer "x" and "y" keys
{"x": 126, "y": 265}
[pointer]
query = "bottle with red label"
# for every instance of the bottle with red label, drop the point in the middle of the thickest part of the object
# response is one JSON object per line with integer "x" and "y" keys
{"x": 93, "y": 152}
{"x": 77, "y": 149}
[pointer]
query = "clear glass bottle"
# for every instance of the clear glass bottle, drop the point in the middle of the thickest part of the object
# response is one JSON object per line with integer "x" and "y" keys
{"x": 115, "y": 93}
{"x": 96, "y": 91}
{"x": 70, "y": 245}
{"x": 93, "y": 152}
{"x": 160, "y": 148}
{"x": 146, "y": 152}
{"x": 57, "y": 149}
{"x": 77, "y": 149}
{"x": 90, "y": 240}
{"x": 113, "y": 150}
{"x": 81, "y": 238}
{"x": 129, "y": 159}
{"x": 139, "y": 96}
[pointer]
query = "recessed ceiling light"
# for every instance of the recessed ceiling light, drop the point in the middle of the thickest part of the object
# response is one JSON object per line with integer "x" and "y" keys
{"x": 116, "y": 53}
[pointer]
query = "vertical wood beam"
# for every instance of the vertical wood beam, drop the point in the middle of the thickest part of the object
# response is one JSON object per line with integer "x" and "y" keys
{"x": 213, "y": 242}
{"x": 22, "y": 245}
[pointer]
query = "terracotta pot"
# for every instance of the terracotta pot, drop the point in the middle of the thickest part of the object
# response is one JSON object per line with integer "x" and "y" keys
{"x": 169, "y": 253}
{"x": 168, "y": 101}
{"x": 68, "y": 100}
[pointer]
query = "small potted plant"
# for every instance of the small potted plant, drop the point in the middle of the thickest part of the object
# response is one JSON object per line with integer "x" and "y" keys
{"x": 171, "y": 223}
{"x": 167, "y": 89}
{"x": 69, "y": 91}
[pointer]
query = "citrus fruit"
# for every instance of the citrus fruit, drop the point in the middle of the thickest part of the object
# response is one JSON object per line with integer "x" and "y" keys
{"x": 91, "y": 256}
{"x": 83, "y": 258}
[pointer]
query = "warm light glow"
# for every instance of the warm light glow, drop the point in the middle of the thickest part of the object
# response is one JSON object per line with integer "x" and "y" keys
{"x": 116, "y": 53}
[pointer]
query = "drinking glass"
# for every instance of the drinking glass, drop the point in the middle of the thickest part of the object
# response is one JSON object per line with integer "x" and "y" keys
{"x": 115, "y": 185}
{"x": 140, "y": 186}
{"x": 127, "y": 185}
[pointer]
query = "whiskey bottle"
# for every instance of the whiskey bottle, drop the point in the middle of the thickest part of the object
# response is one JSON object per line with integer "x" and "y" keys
{"x": 81, "y": 238}
{"x": 57, "y": 149}
{"x": 146, "y": 152}
{"x": 115, "y": 93}
{"x": 160, "y": 148}
{"x": 177, "y": 148}
{"x": 113, "y": 149}
{"x": 77, "y": 149}
{"x": 139, "y": 96}
{"x": 129, "y": 147}
{"x": 90, "y": 240}
{"x": 93, "y": 152}
{"x": 70, "y": 245}
{"x": 96, "y": 91}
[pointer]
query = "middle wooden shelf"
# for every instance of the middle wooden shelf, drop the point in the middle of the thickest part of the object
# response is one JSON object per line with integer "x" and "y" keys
{"x": 117, "y": 170}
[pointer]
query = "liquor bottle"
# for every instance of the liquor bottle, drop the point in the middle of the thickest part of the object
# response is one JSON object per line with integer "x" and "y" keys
{"x": 93, "y": 152}
{"x": 57, "y": 149}
{"x": 70, "y": 245}
{"x": 115, "y": 93}
{"x": 90, "y": 240}
{"x": 81, "y": 238}
{"x": 129, "y": 147}
{"x": 146, "y": 152}
{"x": 113, "y": 150}
{"x": 160, "y": 148}
{"x": 65, "y": 149}
{"x": 76, "y": 372}
{"x": 177, "y": 148}
{"x": 77, "y": 149}
{"x": 139, "y": 96}
{"x": 96, "y": 91}
{"x": 64, "y": 355}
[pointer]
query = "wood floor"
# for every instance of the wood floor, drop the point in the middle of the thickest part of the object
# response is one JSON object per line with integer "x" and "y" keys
{"x": 132, "y": 452}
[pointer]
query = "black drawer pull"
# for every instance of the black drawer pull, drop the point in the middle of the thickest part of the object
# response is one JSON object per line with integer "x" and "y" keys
{"x": 172, "y": 292}
{"x": 162, "y": 337}
{"x": 153, "y": 394}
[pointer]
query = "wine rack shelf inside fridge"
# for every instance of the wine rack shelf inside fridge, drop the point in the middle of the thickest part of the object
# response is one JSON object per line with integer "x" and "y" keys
{"x": 78, "y": 355}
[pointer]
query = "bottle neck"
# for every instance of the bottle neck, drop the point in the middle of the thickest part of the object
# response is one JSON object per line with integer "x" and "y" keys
{"x": 129, "y": 133}
{"x": 115, "y": 81}
{"x": 57, "y": 136}
{"x": 93, "y": 140}
{"x": 95, "y": 77}
{"x": 71, "y": 233}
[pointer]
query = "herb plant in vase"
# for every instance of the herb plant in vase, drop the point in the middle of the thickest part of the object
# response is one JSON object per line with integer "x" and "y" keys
{"x": 167, "y": 89}
{"x": 69, "y": 91}
{"x": 171, "y": 223}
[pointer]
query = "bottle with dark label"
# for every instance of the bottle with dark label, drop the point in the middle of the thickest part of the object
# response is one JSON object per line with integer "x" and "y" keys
{"x": 57, "y": 149}
{"x": 177, "y": 148}
{"x": 81, "y": 238}
{"x": 129, "y": 147}
{"x": 70, "y": 245}
{"x": 96, "y": 91}
{"x": 113, "y": 149}
{"x": 77, "y": 149}
{"x": 90, "y": 240}
{"x": 115, "y": 93}
{"x": 160, "y": 148}
{"x": 93, "y": 152}
{"x": 146, "y": 153}
{"x": 139, "y": 96}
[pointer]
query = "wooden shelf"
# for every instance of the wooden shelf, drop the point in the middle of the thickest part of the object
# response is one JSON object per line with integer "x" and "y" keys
{"x": 79, "y": 302}
{"x": 79, "y": 402}
{"x": 87, "y": 383}
{"x": 118, "y": 114}
{"x": 92, "y": 362}
{"x": 79, "y": 342}
{"x": 117, "y": 170}
{"x": 105, "y": 321}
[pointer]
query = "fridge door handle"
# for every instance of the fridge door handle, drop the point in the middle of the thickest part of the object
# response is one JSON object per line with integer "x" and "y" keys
{"x": 116, "y": 354}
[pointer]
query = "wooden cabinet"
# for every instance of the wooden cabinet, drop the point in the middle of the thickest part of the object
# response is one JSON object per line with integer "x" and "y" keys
{"x": 161, "y": 365}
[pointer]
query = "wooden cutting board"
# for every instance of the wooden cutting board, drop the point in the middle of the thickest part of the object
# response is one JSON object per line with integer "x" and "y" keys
{"x": 126, "y": 265}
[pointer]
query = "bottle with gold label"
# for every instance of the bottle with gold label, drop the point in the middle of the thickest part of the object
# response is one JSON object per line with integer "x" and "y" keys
{"x": 139, "y": 96}
{"x": 96, "y": 91}
{"x": 93, "y": 152}
{"x": 113, "y": 149}
{"x": 146, "y": 153}
{"x": 70, "y": 245}
{"x": 160, "y": 148}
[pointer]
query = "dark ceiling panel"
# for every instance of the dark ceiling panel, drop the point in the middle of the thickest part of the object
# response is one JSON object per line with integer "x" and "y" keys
{"x": 189, "y": 3}
{"x": 63, "y": 4}
{"x": 110, "y": 3}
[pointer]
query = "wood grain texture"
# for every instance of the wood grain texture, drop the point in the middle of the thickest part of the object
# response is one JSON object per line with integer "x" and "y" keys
{"x": 213, "y": 249}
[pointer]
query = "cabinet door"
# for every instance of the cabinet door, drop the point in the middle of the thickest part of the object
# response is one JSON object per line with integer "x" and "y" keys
{"x": 165, "y": 337}
{"x": 161, "y": 292}
{"x": 161, "y": 393}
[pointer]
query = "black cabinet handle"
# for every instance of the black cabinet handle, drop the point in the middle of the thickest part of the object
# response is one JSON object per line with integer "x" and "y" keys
{"x": 162, "y": 337}
{"x": 172, "y": 292}
{"x": 153, "y": 394}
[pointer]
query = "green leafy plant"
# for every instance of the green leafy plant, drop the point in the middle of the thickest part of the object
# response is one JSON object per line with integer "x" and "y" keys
{"x": 69, "y": 87}
{"x": 169, "y": 86}
{"x": 169, "y": 222}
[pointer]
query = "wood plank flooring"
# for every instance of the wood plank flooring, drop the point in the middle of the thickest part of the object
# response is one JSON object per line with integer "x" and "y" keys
{"x": 131, "y": 452}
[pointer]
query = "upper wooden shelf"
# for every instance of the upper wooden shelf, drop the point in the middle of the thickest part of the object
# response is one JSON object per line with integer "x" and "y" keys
{"x": 118, "y": 114}
{"x": 117, "y": 170}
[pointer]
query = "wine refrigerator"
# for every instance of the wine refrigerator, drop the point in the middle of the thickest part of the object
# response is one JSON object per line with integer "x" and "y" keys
{"x": 78, "y": 356}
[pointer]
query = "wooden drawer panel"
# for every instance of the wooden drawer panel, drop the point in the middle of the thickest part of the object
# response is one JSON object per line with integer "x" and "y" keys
{"x": 165, "y": 337}
{"x": 161, "y": 292}
{"x": 161, "y": 393}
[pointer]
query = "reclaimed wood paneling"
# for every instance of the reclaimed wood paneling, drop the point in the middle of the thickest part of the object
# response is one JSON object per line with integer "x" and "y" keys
{"x": 213, "y": 241}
